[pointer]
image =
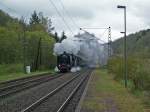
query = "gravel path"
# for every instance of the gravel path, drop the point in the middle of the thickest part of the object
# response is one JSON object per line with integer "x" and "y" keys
{"x": 25, "y": 98}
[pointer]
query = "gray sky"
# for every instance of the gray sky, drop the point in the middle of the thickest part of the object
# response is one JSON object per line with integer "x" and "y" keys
{"x": 86, "y": 13}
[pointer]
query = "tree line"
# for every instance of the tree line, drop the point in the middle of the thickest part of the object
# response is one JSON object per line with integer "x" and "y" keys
{"x": 28, "y": 43}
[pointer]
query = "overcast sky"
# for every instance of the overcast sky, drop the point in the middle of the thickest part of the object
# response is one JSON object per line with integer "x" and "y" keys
{"x": 86, "y": 13}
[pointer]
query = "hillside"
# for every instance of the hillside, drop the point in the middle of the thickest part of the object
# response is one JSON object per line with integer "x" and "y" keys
{"x": 137, "y": 44}
{"x": 5, "y": 18}
{"x": 138, "y": 63}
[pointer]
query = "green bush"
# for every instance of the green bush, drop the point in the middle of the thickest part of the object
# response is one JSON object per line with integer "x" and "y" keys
{"x": 12, "y": 48}
{"x": 46, "y": 59}
{"x": 137, "y": 70}
{"x": 115, "y": 66}
{"x": 10, "y": 68}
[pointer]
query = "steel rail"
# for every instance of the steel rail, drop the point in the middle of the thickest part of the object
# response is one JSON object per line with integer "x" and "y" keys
{"x": 22, "y": 79}
{"x": 25, "y": 86}
{"x": 23, "y": 82}
{"x": 38, "y": 102}
{"x": 62, "y": 107}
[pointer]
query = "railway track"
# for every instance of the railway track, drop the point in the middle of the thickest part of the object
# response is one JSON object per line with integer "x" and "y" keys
{"x": 58, "y": 99}
{"x": 20, "y": 80}
{"x": 15, "y": 86}
{"x": 23, "y": 99}
{"x": 70, "y": 104}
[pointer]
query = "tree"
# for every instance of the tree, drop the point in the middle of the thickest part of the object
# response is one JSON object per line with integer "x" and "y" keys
{"x": 50, "y": 28}
{"x": 63, "y": 36}
{"x": 26, "y": 43}
{"x": 34, "y": 19}
{"x": 56, "y": 37}
{"x": 46, "y": 22}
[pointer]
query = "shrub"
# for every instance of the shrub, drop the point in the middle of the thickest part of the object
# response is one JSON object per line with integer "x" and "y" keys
{"x": 10, "y": 68}
{"x": 137, "y": 70}
{"x": 115, "y": 66}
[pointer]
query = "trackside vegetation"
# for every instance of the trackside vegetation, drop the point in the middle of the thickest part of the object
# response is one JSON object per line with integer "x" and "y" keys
{"x": 138, "y": 75}
{"x": 138, "y": 64}
{"x": 25, "y": 44}
{"x": 138, "y": 71}
{"x": 108, "y": 95}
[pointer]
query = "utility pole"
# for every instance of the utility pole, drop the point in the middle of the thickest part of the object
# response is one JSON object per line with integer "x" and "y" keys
{"x": 38, "y": 55}
{"x": 24, "y": 51}
{"x": 40, "y": 63}
{"x": 109, "y": 41}
{"x": 125, "y": 45}
{"x": 109, "y": 37}
{"x": 24, "y": 44}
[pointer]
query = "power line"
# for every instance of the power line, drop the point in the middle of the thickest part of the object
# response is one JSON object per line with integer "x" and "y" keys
{"x": 94, "y": 28}
{"x": 103, "y": 32}
{"x": 102, "y": 35}
{"x": 97, "y": 28}
{"x": 102, "y": 40}
{"x": 66, "y": 11}
{"x": 63, "y": 19}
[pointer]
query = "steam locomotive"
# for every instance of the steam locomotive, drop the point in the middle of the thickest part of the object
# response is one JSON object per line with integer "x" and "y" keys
{"x": 66, "y": 61}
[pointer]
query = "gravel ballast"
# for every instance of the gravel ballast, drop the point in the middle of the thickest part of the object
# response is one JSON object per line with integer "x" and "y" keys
{"x": 25, "y": 98}
{"x": 53, "y": 103}
{"x": 17, "y": 81}
{"x": 72, "y": 105}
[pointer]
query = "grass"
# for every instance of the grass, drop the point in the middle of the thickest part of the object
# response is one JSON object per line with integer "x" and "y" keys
{"x": 10, "y": 68}
{"x": 14, "y": 71}
{"x": 107, "y": 95}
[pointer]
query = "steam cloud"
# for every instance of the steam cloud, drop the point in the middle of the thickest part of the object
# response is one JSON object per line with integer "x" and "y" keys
{"x": 86, "y": 46}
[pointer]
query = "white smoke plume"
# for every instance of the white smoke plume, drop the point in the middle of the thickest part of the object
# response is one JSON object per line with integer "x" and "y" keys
{"x": 86, "y": 46}
{"x": 68, "y": 46}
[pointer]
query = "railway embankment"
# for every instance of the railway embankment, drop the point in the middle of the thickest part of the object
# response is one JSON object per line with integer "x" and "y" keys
{"x": 15, "y": 76}
{"x": 104, "y": 94}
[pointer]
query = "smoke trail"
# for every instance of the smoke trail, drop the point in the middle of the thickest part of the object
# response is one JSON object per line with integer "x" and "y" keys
{"x": 85, "y": 46}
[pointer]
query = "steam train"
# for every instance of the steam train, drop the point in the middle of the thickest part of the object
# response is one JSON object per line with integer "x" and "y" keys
{"x": 66, "y": 61}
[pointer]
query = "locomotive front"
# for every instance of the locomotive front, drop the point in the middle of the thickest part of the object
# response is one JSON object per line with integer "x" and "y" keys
{"x": 63, "y": 62}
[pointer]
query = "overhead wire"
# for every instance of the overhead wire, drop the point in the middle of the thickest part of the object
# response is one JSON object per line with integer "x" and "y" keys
{"x": 25, "y": 15}
{"x": 69, "y": 15}
{"x": 63, "y": 19}
{"x": 102, "y": 35}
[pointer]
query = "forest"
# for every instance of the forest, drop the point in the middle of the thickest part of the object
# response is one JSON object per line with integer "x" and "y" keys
{"x": 25, "y": 43}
